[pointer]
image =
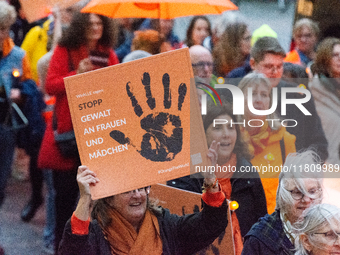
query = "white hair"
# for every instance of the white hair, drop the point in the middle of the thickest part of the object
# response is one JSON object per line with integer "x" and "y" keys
{"x": 8, "y": 14}
{"x": 312, "y": 220}
{"x": 299, "y": 165}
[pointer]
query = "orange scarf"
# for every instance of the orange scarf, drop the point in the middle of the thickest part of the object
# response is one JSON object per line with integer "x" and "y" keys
{"x": 226, "y": 187}
{"x": 257, "y": 143}
{"x": 124, "y": 239}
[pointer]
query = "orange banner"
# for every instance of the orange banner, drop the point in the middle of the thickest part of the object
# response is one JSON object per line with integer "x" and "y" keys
{"x": 183, "y": 202}
{"x": 132, "y": 121}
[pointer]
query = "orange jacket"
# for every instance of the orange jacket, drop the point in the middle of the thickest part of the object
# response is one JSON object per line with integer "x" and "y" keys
{"x": 293, "y": 57}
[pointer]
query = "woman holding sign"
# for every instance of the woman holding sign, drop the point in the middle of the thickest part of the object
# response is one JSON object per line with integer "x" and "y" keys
{"x": 129, "y": 223}
{"x": 86, "y": 45}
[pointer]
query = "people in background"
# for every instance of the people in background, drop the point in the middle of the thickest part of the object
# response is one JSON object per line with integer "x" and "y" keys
{"x": 88, "y": 35}
{"x": 305, "y": 34}
{"x": 148, "y": 40}
{"x": 232, "y": 49}
{"x": 11, "y": 90}
{"x": 199, "y": 28}
{"x": 21, "y": 26}
{"x": 325, "y": 88}
{"x": 267, "y": 57}
{"x": 202, "y": 63}
{"x": 165, "y": 28}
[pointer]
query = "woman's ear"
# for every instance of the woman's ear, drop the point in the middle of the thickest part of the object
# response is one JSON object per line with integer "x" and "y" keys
{"x": 305, "y": 242}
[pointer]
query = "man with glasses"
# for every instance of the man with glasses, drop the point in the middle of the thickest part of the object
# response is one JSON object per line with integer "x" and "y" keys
{"x": 202, "y": 63}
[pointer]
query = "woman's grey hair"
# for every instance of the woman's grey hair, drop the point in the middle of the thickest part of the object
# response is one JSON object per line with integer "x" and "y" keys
{"x": 8, "y": 14}
{"x": 297, "y": 168}
{"x": 254, "y": 80}
{"x": 305, "y": 22}
{"x": 312, "y": 221}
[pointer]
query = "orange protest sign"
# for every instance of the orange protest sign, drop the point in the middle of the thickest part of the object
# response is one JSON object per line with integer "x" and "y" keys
{"x": 183, "y": 202}
{"x": 132, "y": 121}
{"x": 198, "y": 142}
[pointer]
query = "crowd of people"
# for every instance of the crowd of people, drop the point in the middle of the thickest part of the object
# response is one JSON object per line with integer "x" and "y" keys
{"x": 279, "y": 213}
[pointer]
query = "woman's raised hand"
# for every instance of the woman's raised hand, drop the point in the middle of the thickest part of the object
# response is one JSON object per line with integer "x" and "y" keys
{"x": 85, "y": 65}
{"x": 85, "y": 178}
{"x": 212, "y": 153}
{"x": 209, "y": 178}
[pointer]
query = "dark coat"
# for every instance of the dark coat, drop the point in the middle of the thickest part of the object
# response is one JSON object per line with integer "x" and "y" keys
{"x": 240, "y": 72}
{"x": 31, "y": 136}
{"x": 247, "y": 190}
{"x": 309, "y": 131}
{"x": 267, "y": 237}
{"x": 180, "y": 235}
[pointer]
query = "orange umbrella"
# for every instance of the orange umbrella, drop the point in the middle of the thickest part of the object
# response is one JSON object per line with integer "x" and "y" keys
{"x": 38, "y": 9}
{"x": 157, "y": 9}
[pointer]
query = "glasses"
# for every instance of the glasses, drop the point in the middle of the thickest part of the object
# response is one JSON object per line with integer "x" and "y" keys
{"x": 202, "y": 64}
{"x": 330, "y": 236}
{"x": 312, "y": 194}
{"x": 273, "y": 68}
{"x": 307, "y": 36}
{"x": 145, "y": 190}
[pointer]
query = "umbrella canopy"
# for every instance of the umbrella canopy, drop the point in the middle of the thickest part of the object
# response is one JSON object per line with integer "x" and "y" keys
{"x": 38, "y": 9}
{"x": 157, "y": 9}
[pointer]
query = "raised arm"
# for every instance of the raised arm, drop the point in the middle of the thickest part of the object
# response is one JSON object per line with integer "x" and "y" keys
{"x": 85, "y": 179}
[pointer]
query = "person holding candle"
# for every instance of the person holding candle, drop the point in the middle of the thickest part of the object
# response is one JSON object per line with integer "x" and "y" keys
{"x": 14, "y": 72}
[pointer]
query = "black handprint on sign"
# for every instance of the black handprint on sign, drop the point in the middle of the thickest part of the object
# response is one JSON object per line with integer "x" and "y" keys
{"x": 164, "y": 135}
